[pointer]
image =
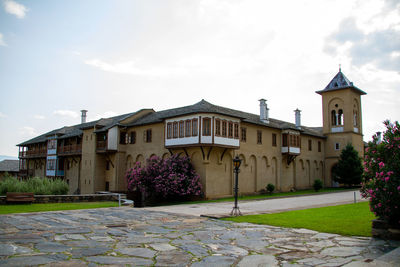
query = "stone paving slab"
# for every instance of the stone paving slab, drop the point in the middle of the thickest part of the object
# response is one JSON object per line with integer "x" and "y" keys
{"x": 136, "y": 237}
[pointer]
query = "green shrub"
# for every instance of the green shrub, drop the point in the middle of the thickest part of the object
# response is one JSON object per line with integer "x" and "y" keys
{"x": 36, "y": 185}
{"x": 317, "y": 185}
{"x": 9, "y": 184}
{"x": 270, "y": 188}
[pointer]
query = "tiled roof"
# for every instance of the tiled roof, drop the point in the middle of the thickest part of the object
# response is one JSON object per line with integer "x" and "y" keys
{"x": 9, "y": 165}
{"x": 77, "y": 130}
{"x": 156, "y": 117}
{"x": 339, "y": 82}
{"x": 206, "y": 107}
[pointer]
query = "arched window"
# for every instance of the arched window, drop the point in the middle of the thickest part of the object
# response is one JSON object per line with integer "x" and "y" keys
{"x": 333, "y": 117}
{"x": 355, "y": 118}
{"x": 340, "y": 117}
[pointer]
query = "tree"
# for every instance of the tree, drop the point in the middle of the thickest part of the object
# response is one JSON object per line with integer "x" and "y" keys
{"x": 349, "y": 169}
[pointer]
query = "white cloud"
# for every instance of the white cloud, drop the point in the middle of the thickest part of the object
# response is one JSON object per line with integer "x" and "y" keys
{"x": 131, "y": 67}
{"x": 39, "y": 117}
{"x": 66, "y": 113}
{"x": 2, "y": 115}
{"x": 27, "y": 131}
{"x": 2, "y": 42}
{"x": 15, "y": 8}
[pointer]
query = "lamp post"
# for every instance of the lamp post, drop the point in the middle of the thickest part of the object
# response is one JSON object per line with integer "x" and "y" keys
{"x": 236, "y": 163}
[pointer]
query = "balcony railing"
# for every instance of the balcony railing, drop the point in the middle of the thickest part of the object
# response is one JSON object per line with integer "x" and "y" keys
{"x": 69, "y": 149}
{"x": 36, "y": 153}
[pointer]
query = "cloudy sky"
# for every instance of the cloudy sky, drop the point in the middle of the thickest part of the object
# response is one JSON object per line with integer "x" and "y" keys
{"x": 114, "y": 57}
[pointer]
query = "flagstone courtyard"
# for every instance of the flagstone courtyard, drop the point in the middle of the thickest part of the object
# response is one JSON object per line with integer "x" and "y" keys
{"x": 137, "y": 237}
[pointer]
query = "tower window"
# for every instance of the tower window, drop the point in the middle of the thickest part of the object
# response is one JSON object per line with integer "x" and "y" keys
{"x": 337, "y": 146}
{"x": 355, "y": 118}
{"x": 309, "y": 144}
{"x": 333, "y": 117}
{"x": 340, "y": 117}
{"x": 319, "y": 146}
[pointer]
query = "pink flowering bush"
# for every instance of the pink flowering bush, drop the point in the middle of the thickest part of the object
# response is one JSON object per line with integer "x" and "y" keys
{"x": 381, "y": 183}
{"x": 169, "y": 178}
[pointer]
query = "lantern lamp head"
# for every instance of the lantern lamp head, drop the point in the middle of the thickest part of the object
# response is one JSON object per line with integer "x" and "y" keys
{"x": 236, "y": 162}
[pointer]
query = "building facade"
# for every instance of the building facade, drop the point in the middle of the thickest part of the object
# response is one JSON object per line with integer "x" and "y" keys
{"x": 94, "y": 156}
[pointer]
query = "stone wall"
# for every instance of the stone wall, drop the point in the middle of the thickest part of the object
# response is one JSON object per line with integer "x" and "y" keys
{"x": 69, "y": 198}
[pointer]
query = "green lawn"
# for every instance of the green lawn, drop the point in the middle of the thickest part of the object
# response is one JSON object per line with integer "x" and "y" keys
{"x": 21, "y": 208}
{"x": 350, "y": 219}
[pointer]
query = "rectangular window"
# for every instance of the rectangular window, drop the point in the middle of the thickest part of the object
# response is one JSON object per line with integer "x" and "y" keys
{"x": 309, "y": 144}
{"x": 51, "y": 164}
{"x": 243, "y": 134}
{"x": 188, "y": 128}
{"x": 169, "y": 130}
{"x": 319, "y": 146}
{"x": 236, "y": 130}
{"x": 175, "y": 129}
{"x": 224, "y": 128}
{"x": 194, "y": 127}
{"x": 217, "y": 127}
{"x": 181, "y": 129}
{"x": 284, "y": 140}
{"x": 133, "y": 138}
{"x": 273, "y": 139}
{"x": 51, "y": 144}
{"x": 259, "y": 137}
{"x": 148, "y": 136}
{"x": 107, "y": 165}
{"x": 122, "y": 138}
{"x": 206, "y": 126}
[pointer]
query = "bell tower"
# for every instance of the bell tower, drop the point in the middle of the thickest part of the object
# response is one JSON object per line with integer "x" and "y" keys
{"x": 342, "y": 124}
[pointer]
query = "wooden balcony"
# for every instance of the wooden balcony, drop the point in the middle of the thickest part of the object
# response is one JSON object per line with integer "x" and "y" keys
{"x": 37, "y": 153}
{"x": 70, "y": 149}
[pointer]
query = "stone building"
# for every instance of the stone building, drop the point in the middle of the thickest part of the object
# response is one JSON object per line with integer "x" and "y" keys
{"x": 94, "y": 156}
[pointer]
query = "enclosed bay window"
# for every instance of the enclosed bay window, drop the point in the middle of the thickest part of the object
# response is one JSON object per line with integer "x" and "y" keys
{"x": 194, "y": 127}
{"x": 175, "y": 129}
{"x": 188, "y": 128}
{"x": 169, "y": 130}
{"x": 181, "y": 129}
{"x": 217, "y": 127}
{"x": 206, "y": 126}
{"x": 230, "y": 130}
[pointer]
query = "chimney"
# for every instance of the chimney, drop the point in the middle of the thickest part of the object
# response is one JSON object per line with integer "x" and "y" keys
{"x": 83, "y": 117}
{"x": 379, "y": 135}
{"x": 264, "y": 116}
{"x": 298, "y": 118}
